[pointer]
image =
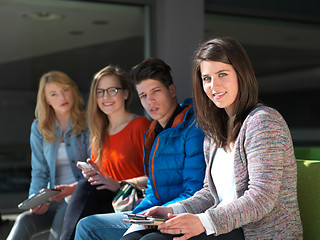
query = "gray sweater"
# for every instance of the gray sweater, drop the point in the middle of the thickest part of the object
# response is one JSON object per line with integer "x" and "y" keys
{"x": 266, "y": 182}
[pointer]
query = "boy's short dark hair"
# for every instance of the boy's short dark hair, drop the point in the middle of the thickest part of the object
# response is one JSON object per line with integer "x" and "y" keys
{"x": 151, "y": 68}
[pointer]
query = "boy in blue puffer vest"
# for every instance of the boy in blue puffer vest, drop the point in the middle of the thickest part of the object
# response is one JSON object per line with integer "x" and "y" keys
{"x": 173, "y": 151}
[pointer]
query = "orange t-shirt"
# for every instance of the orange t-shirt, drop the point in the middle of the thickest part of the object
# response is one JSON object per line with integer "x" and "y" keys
{"x": 122, "y": 157}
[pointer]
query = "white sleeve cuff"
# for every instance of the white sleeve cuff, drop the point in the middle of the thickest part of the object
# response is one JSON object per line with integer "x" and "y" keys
{"x": 177, "y": 208}
{"x": 210, "y": 229}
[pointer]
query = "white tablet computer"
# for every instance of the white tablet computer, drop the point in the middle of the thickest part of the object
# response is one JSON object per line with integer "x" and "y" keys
{"x": 40, "y": 198}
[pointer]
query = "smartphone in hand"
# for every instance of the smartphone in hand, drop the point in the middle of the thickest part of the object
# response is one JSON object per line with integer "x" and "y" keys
{"x": 85, "y": 165}
{"x": 143, "y": 219}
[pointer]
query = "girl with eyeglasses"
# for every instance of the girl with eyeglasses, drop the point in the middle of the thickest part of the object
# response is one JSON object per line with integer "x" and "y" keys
{"x": 59, "y": 138}
{"x": 116, "y": 139}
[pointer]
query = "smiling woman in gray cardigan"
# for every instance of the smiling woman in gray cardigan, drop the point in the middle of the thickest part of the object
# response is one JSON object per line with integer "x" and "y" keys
{"x": 250, "y": 189}
{"x": 265, "y": 178}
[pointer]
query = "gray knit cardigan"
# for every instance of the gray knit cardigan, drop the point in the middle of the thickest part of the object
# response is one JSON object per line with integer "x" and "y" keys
{"x": 266, "y": 182}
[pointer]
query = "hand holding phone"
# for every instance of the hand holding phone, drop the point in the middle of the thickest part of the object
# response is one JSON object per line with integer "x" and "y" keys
{"x": 85, "y": 165}
{"x": 87, "y": 169}
{"x": 143, "y": 219}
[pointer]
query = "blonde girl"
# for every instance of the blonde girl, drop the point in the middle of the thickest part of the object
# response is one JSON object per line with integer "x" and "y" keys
{"x": 59, "y": 138}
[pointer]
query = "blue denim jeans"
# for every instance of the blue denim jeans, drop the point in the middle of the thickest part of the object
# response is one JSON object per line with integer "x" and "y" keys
{"x": 108, "y": 226}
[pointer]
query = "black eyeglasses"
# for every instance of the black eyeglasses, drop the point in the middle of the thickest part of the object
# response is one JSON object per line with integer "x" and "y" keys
{"x": 112, "y": 91}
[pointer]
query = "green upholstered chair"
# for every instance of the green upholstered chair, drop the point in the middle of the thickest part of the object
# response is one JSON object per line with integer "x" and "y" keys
{"x": 309, "y": 197}
{"x": 310, "y": 153}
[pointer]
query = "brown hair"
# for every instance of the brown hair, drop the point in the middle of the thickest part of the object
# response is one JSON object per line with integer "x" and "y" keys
{"x": 213, "y": 120}
{"x": 97, "y": 120}
{"x": 45, "y": 114}
{"x": 152, "y": 68}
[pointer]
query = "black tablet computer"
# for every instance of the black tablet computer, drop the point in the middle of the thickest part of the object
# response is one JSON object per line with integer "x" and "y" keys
{"x": 40, "y": 198}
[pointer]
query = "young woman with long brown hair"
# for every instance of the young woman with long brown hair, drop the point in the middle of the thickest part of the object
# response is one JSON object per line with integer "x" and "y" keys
{"x": 250, "y": 189}
{"x": 116, "y": 139}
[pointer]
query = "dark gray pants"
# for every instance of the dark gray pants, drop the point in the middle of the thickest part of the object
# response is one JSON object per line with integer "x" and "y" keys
{"x": 147, "y": 234}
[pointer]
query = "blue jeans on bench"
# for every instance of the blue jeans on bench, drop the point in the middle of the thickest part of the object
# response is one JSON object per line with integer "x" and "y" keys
{"x": 101, "y": 226}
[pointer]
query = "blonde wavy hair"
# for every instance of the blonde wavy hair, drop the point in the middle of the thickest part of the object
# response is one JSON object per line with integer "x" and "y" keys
{"x": 45, "y": 114}
{"x": 97, "y": 120}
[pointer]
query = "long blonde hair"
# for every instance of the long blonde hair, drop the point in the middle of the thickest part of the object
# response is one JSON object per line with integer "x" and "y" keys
{"x": 45, "y": 114}
{"x": 97, "y": 120}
